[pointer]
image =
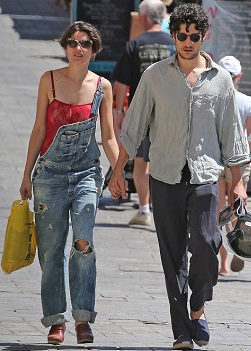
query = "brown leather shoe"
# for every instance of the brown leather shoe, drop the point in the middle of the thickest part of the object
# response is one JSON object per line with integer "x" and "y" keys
{"x": 56, "y": 334}
{"x": 84, "y": 333}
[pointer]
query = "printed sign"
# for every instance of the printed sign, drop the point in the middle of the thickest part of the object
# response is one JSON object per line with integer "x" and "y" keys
{"x": 230, "y": 34}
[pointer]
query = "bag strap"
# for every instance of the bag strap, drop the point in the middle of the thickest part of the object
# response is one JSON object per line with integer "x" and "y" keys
{"x": 97, "y": 99}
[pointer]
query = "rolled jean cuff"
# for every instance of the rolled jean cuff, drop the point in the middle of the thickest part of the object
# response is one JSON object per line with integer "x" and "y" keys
{"x": 84, "y": 316}
{"x": 55, "y": 319}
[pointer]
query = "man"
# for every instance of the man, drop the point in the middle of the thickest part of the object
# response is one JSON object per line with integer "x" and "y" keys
{"x": 139, "y": 53}
{"x": 188, "y": 103}
{"x": 233, "y": 66}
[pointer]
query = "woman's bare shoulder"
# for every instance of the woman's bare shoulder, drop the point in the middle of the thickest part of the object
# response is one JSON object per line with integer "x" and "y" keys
{"x": 106, "y": 84}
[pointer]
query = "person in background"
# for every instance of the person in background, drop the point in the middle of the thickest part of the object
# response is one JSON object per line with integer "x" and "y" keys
{"x": 169, "y": 8}
{"x": 139, "y": 53}
{"x": 187, "y": 102}
{"x": 233, "y": 66}
{"x": 67, "y": 179}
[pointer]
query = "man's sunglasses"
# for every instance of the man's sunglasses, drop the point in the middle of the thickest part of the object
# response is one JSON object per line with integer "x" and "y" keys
{"x": 73, "y": 43}
{"x": 193, "y": 37}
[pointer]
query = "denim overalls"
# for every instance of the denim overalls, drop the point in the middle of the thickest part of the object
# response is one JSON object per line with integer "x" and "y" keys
{"x": 68, "y": 179}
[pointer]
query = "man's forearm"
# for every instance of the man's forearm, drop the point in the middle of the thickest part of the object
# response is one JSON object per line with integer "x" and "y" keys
{"x": 121, "y": 90}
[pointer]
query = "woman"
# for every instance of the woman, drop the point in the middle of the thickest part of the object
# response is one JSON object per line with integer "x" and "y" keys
{"x": 68, "y": 179}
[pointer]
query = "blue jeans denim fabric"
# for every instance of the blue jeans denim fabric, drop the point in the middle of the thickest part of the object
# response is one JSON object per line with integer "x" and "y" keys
{"x": 67, "y": 180}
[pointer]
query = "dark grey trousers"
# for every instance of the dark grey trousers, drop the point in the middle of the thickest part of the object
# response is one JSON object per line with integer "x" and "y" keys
{"x": 185, "y": 217}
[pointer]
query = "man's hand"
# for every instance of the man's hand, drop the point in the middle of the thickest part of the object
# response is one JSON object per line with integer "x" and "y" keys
{"x": 118, "y": 185}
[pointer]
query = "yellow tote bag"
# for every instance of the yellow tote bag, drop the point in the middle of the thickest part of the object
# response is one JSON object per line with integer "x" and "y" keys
{"x": 20, "y": 238}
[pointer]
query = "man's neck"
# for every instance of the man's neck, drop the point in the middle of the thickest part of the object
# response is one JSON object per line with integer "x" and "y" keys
{"x": 197, "y": 63}
{"x": 193, "y": 68}
{"x": 154, "y": 28}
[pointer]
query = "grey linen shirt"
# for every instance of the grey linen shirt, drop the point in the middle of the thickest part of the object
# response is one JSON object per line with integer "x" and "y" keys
{"x": 199, "y": 124}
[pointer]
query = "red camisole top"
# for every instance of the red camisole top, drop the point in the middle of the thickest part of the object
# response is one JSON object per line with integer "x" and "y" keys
{"x": 60, "y": 113}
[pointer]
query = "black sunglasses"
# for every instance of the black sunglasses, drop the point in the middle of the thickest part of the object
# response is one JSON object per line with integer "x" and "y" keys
{"x": 193, "y": 37}
{"x": 73, "y": 43}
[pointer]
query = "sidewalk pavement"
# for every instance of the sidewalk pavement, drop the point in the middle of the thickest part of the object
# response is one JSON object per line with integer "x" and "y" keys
{"x": 133, "y": 312}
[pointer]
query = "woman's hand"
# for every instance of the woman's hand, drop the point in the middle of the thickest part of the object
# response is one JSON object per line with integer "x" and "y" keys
{"x": 118, "y": 186}
{"x": 26, "y": 189}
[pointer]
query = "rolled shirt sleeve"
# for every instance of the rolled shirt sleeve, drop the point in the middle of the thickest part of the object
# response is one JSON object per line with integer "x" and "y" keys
{"x": 234, "y": 146}
{"x": 137, "y": 119}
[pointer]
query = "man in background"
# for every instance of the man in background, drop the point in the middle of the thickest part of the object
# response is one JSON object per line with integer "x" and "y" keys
{"x": 139, "y": 53}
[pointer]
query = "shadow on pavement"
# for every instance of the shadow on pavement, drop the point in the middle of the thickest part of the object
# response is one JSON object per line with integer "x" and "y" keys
{"x": 36, "y": 28}
{"x": 123, "y": 225}
{"x": 37, "y": 347}
{"x": 234, "y": 280}
{"x": 36, "y": 20}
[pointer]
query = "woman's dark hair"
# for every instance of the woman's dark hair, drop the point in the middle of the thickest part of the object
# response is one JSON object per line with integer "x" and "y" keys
{"x": 80, "y": 26}
{"x": 188, "y": 14}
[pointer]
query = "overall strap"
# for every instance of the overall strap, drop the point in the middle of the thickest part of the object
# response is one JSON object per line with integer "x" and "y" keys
{"x": 97, "y": 98}
{"x": 52, "y": 85}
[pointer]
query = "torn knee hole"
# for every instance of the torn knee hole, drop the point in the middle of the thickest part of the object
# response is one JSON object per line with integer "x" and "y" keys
{"x": 42, "y": 207}
{"x": 83, "y": 246}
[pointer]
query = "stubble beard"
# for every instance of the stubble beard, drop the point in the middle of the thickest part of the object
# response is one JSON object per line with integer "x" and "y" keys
{"x": 194, "y": 55}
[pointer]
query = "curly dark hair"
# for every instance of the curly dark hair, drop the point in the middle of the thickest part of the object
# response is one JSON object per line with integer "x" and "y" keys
{"x": 188, "y": 14}
{"x": 80, "y": 26}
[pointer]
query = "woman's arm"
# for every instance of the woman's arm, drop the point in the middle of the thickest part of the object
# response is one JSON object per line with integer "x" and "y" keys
{"x": 36, "y": 138}
{"x": 109, "y": 141}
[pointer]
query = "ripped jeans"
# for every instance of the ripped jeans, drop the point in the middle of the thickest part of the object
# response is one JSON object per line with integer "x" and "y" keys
{"x": 61, "y": 190}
